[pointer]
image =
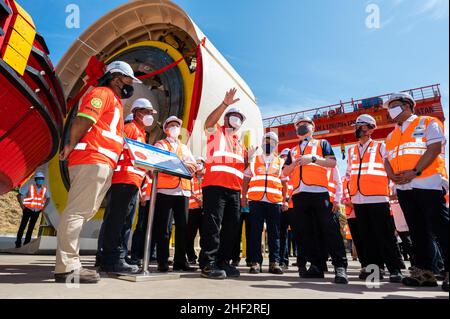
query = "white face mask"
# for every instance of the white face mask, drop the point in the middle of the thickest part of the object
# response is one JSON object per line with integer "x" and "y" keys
{"x": 395, "y": 112}
{"x": 148, "y": 120}
{"x": 174, "y": 132}
{"x": 235, "y": 122}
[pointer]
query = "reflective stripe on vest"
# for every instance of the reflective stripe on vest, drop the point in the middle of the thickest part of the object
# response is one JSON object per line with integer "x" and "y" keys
{"x": 196, "y": 192}
{"x": 404, "y": 150}
{"x": 266, "y": 181}
{"x": 331, "y": 184}
{"x": 311, "y": 174}
{"x": 225, "y": 161}
{"x": 172, "y": 182}
{"x": 35, "y": 199}
{"x": 368, "y": 175}
{"x": 106, "y": 142}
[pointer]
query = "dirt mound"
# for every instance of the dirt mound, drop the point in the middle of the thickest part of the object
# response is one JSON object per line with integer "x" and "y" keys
{"x": 11, "y": 214}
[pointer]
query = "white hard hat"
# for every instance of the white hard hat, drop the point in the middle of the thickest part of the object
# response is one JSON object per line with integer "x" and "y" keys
{"x": 172, "y": 119}
{"x": 142, "y": 104}
{"x": 129, "y": 118}
{"x": 286, "y": 152}
{"x": 305, "y": 119}
{"x": 237, "y": 110}
{"x": 404, "y": 97}
{"x": 366, "y": 119}
{"x": 39, "y": 175}
{"x": 272, "y": 135}
{"x": 122, "y": 67}
{"x": 200, "y": 158}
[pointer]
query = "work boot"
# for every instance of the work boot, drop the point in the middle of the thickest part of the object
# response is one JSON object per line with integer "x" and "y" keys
{"x": 192, "y": 261}
{"x": 302, "y": 270}
{"x": 183, "y": 267}
{"x": 255, "y": 268}
{"x": 119, "y": 267}
{"x": 82, "y": 276}
{"x": 396, "y": 276}
{"x": 284, "y": 266}
{"x": 231, "y": 271}
{"x": 134, "y": 261}
{"x": 274, "y": 268}
{"x": 445, "y": 283}
{"x": 313, "y": 272}
{"x": 212, "y": 272}
{"x": 18, "y": 245}
{"x": 341, "y": 276}
{"x": 420, "y": 278}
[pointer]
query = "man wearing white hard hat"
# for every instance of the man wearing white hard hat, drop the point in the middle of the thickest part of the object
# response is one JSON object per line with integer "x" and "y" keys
{"x": 225, "y": 164}
{"x": 112, "y": 254}
{"x": 415, "y": 162}
{"x": 314, "y": 222}
{"x": 369, "y": 192}
{"x": 265, "y": 190}
{"x": 172, "y": 201}
{"x": 287, "y": 208}
{"x": 33, "y": 199}
{"x": 93, "y": 150}
{"x": 195, "y": 210}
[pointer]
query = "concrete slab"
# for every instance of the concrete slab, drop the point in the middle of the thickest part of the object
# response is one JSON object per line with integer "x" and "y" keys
{"x": 32, "y": 277}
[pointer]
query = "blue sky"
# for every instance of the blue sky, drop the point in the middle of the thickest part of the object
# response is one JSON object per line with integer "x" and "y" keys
{"x": 301, "y": 54}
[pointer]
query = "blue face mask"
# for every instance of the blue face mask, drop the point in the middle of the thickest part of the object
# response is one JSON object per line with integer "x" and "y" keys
{"x": 39, "y": 182}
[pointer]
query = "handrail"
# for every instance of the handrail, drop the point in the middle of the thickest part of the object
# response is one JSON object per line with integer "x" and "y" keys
{"x": 418, "y": 94}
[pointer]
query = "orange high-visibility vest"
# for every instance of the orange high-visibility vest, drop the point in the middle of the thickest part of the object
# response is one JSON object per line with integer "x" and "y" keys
{"x": 349, "y": 212}
{"x": 290, "y": 190}
{"x": 368, "y": 175}
{"x": 348, "y": 234}
{"x": 225, "y": 160}
{"x": 35, "y": 199}
{"x": 405, "y": 150}
{"x": 195, "y": 193}
{"x": 146, "y": 188}
{"x": 266, "y": 181}
{"x": 311, "y": 174}
{"x": 172, "y": 182}
{"x": 103, "y": 143}
{"x": 125, "y": 172}
{"x": 331, "y": 184}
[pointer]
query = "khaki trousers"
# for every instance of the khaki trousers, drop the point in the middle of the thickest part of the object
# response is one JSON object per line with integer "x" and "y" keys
{"x": 88, "y": 186}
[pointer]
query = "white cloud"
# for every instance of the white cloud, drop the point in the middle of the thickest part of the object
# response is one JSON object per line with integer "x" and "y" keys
{"x": 435, "y": 9}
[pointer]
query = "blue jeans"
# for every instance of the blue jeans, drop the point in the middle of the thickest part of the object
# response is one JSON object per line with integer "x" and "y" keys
{"x": 271, "y": 214}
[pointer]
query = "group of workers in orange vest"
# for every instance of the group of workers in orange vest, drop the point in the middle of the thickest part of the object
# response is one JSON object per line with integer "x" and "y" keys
{"x": 303, "y": 181}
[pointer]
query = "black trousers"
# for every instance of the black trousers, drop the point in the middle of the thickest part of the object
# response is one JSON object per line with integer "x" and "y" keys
{"x": 377, "y": 235}
{"x": 427, "y": 216}
{"x": 356, "y": 239}
{"x": 221, "y": 216}
{"x": 284, "y": 238}
{"x": 138, "y": 239}
{"x": 170, "y": 208}
{"x": 121, "y": 208}
{"x": 194, "y": 226}
{"x": 27, "y": 216}
{"x": 312, "y": 209}
{"x": 236, "y": 256}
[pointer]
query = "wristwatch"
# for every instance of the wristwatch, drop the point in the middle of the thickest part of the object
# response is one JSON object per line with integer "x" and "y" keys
{"x": 418, "y": 173}
{"x": 314, "y": 159}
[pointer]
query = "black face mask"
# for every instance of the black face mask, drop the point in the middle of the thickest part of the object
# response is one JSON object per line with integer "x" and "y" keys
{"x": 268, "y": 148}
{"x": 302, "y": 130}
{"x": 126, "y": 91}
{"x": 359, "y": 132}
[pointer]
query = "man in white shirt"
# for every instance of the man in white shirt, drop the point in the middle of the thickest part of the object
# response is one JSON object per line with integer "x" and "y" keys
{"x": 415, "y": 162}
